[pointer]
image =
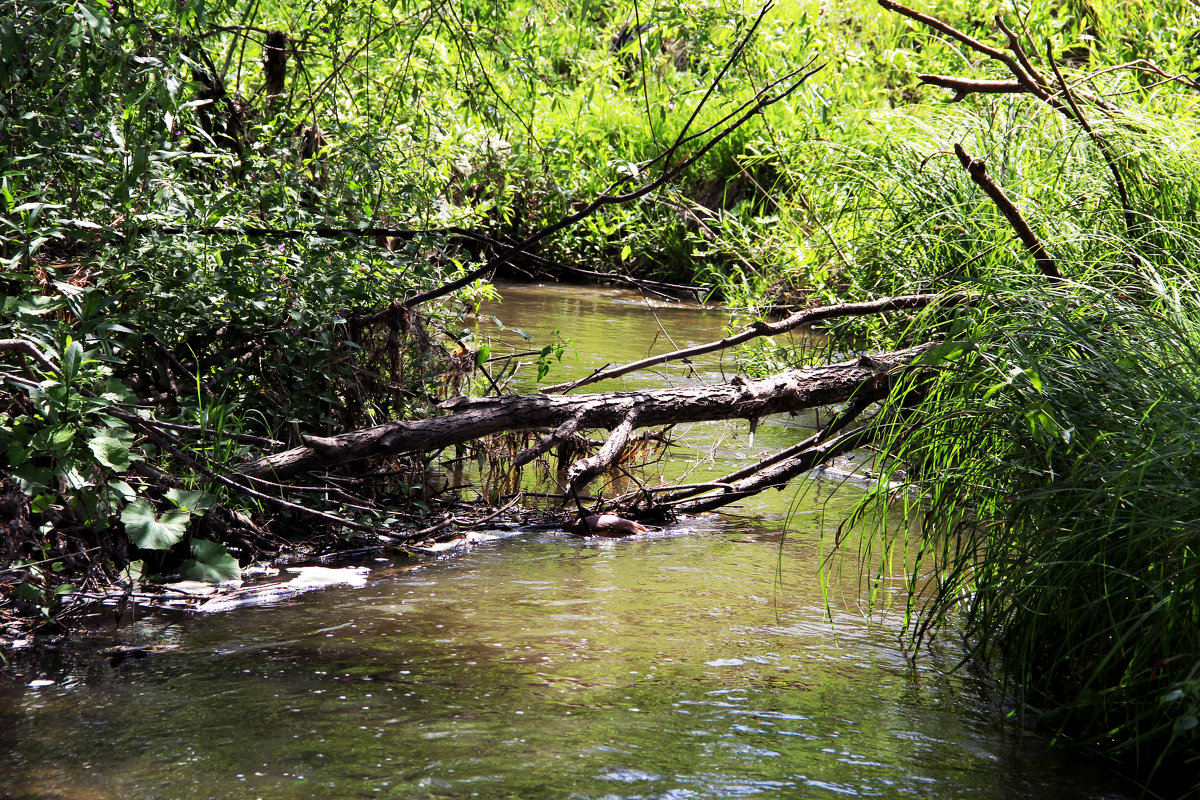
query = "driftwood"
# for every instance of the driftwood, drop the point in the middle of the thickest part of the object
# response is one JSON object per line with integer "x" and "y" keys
{"x": 861, "y": 381}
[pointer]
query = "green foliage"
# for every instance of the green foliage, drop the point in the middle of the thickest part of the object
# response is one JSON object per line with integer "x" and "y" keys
{"x": 151, "y": 531}
{"x": 130, "y": 132}
{"x": 1052, "y": 441}
{"x": 1055, "y": 451}
{"x": 553, "y": 351}
{"x": 1045, "y": 463}
{"x": 210, "y": 562}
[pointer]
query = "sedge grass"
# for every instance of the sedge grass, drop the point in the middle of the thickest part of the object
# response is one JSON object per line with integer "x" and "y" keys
{"x": 1056, "y": 452}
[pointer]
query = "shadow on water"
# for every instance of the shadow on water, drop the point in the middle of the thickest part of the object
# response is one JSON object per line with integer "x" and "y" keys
{"x": 705, "y": 661}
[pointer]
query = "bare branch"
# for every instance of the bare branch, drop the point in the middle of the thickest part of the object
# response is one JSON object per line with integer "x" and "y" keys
{"x": 1102, "y": 144}
{"x": 780, "y": 474}
{"x": 31, "y": 350}
{"x": 557, "y": 436}
{"x": 475, "y": 417}
{"x": 1014, "y": 67}
{"x": 728, "y": 483}
{"x": 759, "y": 328}
{"x": 966, "y": 86}
{"x": 585, "y": 470}
{"x": 978, "y": 171}
{"x": 1014, "y": 44}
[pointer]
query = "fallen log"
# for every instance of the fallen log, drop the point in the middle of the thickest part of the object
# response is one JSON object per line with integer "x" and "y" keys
{"x": 863, "y": 380}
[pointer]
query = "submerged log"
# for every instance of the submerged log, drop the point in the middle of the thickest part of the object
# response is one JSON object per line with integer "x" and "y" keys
{"x": 863, "y": 379}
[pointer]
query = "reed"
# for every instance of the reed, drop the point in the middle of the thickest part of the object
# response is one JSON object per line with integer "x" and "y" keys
{"x": 1055, "y": 456}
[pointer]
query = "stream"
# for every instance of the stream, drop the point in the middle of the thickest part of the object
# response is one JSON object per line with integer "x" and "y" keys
{"x": 705, "y": 660}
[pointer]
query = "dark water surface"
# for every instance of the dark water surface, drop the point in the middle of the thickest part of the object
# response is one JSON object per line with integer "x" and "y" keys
{"x": 697, "y": 662}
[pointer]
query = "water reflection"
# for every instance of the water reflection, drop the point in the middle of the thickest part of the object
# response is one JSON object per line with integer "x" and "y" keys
{"x": 706, "y": 661}
{"x": 697, "y": 665}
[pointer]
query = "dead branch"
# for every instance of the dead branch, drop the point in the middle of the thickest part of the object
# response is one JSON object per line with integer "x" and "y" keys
{"x": 1028, "y": 81}
{"x": 555, "y": 438}
{"x": 978, "y": 171}
{"x": 582, "y": 472}
{"x": 31, "y": 350}
{"x": 454, "y": 521}
{"x": 1014, "y": 44}
{"x": 1102, "y": 144}
{"x": 760, "y": 328}
{"x": 729, "y": 482}
{"x": 175, "y": 448}
{"x": 965, "y": 86}
{"x": 781, "y": 473}
{"x": 473, "y": 418}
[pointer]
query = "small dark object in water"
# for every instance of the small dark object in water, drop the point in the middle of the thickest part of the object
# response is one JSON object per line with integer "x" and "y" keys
{"x": 121, "y": 653}
{"x": 604, "y": 525}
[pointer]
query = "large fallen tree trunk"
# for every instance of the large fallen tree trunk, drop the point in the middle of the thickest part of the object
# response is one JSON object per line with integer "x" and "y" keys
{"x": 862, "y": 380}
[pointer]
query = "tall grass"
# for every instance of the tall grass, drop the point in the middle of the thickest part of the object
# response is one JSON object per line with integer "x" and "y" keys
{"x": 1051, "y": 448}
{"x": 1057, "y": 456}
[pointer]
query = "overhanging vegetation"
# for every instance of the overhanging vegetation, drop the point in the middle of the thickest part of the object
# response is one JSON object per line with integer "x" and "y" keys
{"x": 231, "y": 230}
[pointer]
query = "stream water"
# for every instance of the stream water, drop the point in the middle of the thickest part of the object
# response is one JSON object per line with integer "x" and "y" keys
{"x": 702, "y": 661}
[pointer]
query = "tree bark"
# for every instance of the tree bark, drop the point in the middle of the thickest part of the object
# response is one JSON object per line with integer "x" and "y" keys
{"x": 865, "y": 379}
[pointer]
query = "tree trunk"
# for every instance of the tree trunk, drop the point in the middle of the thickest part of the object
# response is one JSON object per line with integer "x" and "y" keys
{"x": 865, "y": 379}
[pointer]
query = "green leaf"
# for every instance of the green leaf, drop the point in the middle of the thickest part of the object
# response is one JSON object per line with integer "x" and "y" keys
{"x": 60, "y": 439}
{"x": 946, "y": 351}
{"x": 17, "y": 454}
{"x": 626, "y": 252}
{"x": 33, "y": 477}
{"x": 134, "y": 571}
{"x": 27, "y": 591}
{"x": 151, "y": 532}
{"x": 95, "y": 19}
{"x": 123, "y": 489}
{"x": 63, "y": 588}
{"x": 117, "y": 392}
{"x": 192, "y": 502}
{"x": 482, "y": 355}
{"x": 212, "y": 563}
{"x": 72, "y": 358}
{"x": 110, "y": 452}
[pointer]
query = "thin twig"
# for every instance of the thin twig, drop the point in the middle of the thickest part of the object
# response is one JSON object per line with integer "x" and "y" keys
{"x": 166, "y": 441}
{"x": 31, "y": 350}
{"x": 949, "y": 30}
{"x": 1102, "y": 144}
{"x": 760, "y": 328}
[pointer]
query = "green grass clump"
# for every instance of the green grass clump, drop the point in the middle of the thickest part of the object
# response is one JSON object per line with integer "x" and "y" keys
{"x": 1057, "y": 450}
{"x": 1051, "y": 449}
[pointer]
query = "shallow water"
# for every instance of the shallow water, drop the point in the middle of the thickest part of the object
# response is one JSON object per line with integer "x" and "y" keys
{"x": 702, "y": 661}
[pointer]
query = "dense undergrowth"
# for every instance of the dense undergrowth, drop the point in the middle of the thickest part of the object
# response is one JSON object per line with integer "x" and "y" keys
{"x": 177, "y": 180}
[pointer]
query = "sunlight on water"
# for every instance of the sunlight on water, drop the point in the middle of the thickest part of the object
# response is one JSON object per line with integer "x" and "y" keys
{"x": 703, "y": 661}
{"x": 697, "y": 663}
